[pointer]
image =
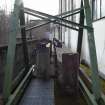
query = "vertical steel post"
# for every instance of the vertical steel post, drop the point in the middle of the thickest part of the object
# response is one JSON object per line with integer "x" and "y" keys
{"x": 80, "y": 33}
{"x": 61, "y": 21}
{"x": 63, "y": 28}
{"x": 23, "y": 34}
{"x": 92, "y": 50}
{"x": 93, "y": 8}
{"x": 69, "y": 31}
{"x": 14, "y": 29}
{"x": 72, "y": 9}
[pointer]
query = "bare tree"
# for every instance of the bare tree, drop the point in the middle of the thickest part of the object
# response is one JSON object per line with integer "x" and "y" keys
{"x": 4, "y": 27}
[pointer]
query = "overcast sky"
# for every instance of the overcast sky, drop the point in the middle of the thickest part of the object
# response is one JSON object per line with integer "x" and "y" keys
{"x": 47, "y": 6}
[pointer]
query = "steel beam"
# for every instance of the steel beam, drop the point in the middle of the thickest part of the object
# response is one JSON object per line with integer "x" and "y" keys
{"x": 90, "y": 98}
{"x": 57, "y": 18}
{"x": 65, "y": 16}
{"x": 37, "y": 26}
{"x": 60, "y": 27}
{"x": 11, "y": 51}
{"x": 92, "y": 51}
{"x": 68, "y": 15}
{"x": 18, "y": 92}
{"x": 70, "y": 12}
{"x": 53, "y": 22}
{"x": 69, "y": 31}
{"x": 46, "y": 19}
{"x": 88, "y": 84}
{"x": 67, "y": 26}
{"x": 80, "y": 33}
{"x": 57, "y": 23}
{"x": 24, "y": 41}
{"x": 30, "y": 13}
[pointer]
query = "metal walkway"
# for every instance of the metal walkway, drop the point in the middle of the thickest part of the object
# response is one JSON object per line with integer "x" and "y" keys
{"x": 39, "y": 92}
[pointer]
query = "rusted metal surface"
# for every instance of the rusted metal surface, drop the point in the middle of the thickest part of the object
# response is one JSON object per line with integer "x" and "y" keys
{"x": 70, "y": 65}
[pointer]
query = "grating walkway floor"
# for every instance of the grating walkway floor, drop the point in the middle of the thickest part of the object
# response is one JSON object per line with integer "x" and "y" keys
{"x": 39, "y": 92}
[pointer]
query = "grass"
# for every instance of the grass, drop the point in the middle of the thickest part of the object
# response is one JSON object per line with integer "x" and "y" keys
{"x": 88, "y": 72}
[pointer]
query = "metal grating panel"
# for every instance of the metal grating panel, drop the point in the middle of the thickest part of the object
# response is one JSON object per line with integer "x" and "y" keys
{"x": 39, "y": 92}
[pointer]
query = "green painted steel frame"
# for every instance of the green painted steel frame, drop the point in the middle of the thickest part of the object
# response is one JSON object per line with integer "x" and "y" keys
{"x": 90, "y": 98}
{"x": 23, "y": 34}
{"x": 17, "y": 15}
{"x": 80, "y": 33}
{"x": 13, "y": 99}
{"x": 56, "y": 18}
{"x": 11, "y": 50}
{"x": 92, "y": 50}
{"x": 94, "y": 99}
{"x": 53, "y": 21}
{"x": 36, "y": 26}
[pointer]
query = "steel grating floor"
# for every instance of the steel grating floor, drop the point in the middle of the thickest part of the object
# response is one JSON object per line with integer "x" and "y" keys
{"x": 39, "y": 92}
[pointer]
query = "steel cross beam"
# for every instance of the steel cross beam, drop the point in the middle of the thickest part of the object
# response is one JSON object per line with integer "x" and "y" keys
{"x": 37, "y": 26}
{"x": 71, "y": 12}
{"x": 49, "y": 21}
{"x": 65, "y": 15}
{"x": 57, "y": 18}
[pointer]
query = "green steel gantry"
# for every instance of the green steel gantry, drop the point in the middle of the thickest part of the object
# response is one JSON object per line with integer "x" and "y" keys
{"x": 96, "y": 97}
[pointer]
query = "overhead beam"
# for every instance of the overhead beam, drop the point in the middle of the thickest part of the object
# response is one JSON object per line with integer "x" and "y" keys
{"x": 49, "y": 21}
{"x": 67, "y": 26}
{"x": 70, "y": 12}
{"x": 45, "y": 19}
{"x": 57, "y": 18}
{"x": 53, "y": 21}
{"x": 38, "y": 16}
{"x": 65, "y": 15}
{"x": 37, "y": 26}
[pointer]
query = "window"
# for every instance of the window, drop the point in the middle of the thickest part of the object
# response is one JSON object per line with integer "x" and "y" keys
{"x": 98, "y": 9}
